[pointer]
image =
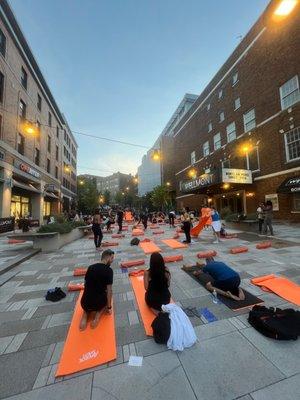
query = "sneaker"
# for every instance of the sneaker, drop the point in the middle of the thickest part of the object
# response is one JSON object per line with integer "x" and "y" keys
{"x": 216, "y": 241}
{"x": 60, "y": 292}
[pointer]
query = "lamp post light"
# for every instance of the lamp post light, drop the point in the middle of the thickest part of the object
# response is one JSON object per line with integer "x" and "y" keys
{"x": 246, "y": 148}
{"x": 81, "y": 183}
{"x": 285, "y": 8}
{"x": 192, "y": 173}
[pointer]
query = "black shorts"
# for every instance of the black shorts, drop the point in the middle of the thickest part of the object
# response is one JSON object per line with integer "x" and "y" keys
{"x": 228, "y": 284}
{"x": 94, "y": 306}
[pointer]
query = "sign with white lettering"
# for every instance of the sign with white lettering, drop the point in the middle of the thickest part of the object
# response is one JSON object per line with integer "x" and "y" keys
{"x": 197, "y": 183}
{"x": 230, "y": 175}
{"x": 26, "y": 168}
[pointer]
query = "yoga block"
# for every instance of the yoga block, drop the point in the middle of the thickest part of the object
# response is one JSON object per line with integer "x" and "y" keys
{"x": 79, "y": 271}
{"x": 117, "y": 236}
{"x": 264, "y": 245}
{"x": 158, "y": 232}
{"x": 236, "y": 250}
{"x": 206, "y": 254}
{"x": 72, "y": 287}
{"x": 132, "y": 263}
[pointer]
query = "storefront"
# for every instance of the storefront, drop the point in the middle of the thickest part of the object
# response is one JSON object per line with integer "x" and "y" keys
{"x": 224, "y": 188}
{"x": 291, "y": 188}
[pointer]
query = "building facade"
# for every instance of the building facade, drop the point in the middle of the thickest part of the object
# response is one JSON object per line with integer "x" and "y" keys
{"x": 31, "y": 131}
{"x": 240, "y": 141}
{"x": 151, "y": 172}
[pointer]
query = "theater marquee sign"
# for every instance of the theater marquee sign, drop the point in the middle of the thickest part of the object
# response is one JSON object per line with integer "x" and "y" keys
{"x": 197, "y": 183}
{"x": 230, "y": 175}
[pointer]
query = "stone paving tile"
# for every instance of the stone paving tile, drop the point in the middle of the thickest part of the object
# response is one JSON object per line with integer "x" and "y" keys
{"x": 19, "y": 326}
{"x": 45, "y": 337}
{"x": 60, "y": 319}
{"x": 247, "y": 370}
{"x": 129, "y": 334}
{"x": 76, "y": 389}
{"x": 284, "y": 354}
{"x": 19, "y": 370}
{"x": 11, "y": 315}
{"x": 283, "y": 390}
{"x": 57, "y": 308}
{"x": 27, "y": 296}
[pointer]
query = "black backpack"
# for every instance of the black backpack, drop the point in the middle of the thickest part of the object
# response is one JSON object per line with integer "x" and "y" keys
{"x": 161, "y": 326}
{"x": 276, "y": 323}
{"x": 134, "y": 242}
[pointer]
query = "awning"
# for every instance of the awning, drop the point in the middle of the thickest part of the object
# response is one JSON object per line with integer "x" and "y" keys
{"x": 52, "y": 195}
{"x": 290, "y": 185}
{"x": 25, "y": 186}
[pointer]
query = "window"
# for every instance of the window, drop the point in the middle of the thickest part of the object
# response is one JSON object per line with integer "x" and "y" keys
{"x": 292, "y": 144}
{"x": 208, "y": 107}
{"x": 65, "y": 135}
{"x": 296, "y": 201}
{"x": 231, "y": 132}
{"x": 49, "y": 143}
{"x": 37, "y": 157}
{"x": 38, "y": 125}
{"x": 210, "y": 127}
{"x": 57, "y": 131}
{"x": 39, "y": 102}
{"x": 226, "y": 163}
{"x": 21, "y": 143}
{"x": 221, "y": 116}
{"x": 253, "y": 160}
{"x": 289, "y": 93}
{"x": 206, "y": 149}
{"x": 217, "y": 141}
{"x": 2, "y": 43}
{"x": 220, "y": 95}
{"x": 22, "y": 109}
{"x": 56, "y": 153}
{"x": 56, "y": 172}
{"x": 249, "y": 120}
{"x": 193, "y": 157}
{"x": 237, "y": 104}
{"x": 235, "y": 78}
{"x": 24, "y": 78}
{"x": 49, "y": 119}
{"x": 1, "y": 119}
{"x": 1, "y": 87}
{"x": 48, "y": 165}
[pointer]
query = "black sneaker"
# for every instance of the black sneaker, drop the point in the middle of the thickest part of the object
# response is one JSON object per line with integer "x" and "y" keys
{"x": 60, "y": 292}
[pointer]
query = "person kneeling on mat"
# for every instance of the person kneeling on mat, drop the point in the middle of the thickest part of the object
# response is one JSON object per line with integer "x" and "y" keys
{"x": 97, "y": 294}
{"x": 156, "y": 283}
{"x": 226, "y": 281}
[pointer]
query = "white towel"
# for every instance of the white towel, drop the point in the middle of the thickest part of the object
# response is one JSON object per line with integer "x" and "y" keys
{"x": 182, "y": 331}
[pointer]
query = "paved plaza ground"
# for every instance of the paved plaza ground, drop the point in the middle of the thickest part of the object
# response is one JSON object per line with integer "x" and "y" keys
{"x": 230, "y": 360}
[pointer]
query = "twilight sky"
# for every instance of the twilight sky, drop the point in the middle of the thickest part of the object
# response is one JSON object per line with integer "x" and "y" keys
{"x": 119, "y": 68}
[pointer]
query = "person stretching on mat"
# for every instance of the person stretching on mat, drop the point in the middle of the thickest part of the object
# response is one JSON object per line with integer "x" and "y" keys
{"x": 97, "y": 294}
{"x": 226, "y": 281}
{"x": 156, "y": 283}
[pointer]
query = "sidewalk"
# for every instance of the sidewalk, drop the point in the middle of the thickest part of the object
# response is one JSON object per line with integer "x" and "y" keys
{"x": 230, "y": 361}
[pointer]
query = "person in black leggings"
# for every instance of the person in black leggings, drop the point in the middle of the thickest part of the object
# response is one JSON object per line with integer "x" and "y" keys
{"x": 186, "y": 225}
{"x": 96, "y": 228}
{"x": 120, "y": 216}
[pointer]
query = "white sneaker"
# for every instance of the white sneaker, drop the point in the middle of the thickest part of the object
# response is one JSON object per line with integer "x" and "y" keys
{"x": 216, "y": 241}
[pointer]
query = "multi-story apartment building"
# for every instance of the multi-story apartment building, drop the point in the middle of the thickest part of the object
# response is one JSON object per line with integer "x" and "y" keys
{"x": 239, "y": 144}
{"x": 31, "y": 131}
{"x": 117, "y": 182}
{"x": 152, "y": 172}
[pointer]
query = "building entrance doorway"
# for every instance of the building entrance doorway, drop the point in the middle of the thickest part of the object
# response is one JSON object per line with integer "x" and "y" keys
{"x": 233, "y": 200}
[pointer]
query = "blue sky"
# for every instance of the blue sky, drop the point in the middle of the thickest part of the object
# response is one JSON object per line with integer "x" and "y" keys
{"x": 119, "y": 68}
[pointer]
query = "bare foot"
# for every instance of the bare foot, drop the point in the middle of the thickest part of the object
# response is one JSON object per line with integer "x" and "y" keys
{"x": 83, "y": 322}
{"x": 96, "y": 320}
{"x": 196, "y": 273}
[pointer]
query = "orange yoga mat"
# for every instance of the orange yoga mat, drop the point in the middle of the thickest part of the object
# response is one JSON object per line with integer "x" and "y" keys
{"x": 137, "y": 281}
{"x": 198, "y": 228}
{"x": 72, "y": 287}
{"x": 241, "y": 249}
{"x": 109, "y": 244}
{"x": 88, "y": 348}
{"x": 174, "y": 244}
{"x": 281, "y": 286}
{"x": 149, "y": 247}
{"x": 79, "y": 271}
{"x": 128, "y": 216}
{"x": 117, "y": 236}
{"x": 132, "y": 263}
{"x": 178, "y": 257}
{"x": 15, "y": 241}
{"x": 137, "y": 232}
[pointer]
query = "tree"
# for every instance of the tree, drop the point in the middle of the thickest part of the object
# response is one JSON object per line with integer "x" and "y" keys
{"x": 88, "y": 197}
{"x": 107, "y": 197}
{"x": 160, "y": 197}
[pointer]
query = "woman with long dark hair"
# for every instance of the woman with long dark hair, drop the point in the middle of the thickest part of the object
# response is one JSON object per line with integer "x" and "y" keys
{"x": 156, "y": 283}
{"x": 96, "y": 228}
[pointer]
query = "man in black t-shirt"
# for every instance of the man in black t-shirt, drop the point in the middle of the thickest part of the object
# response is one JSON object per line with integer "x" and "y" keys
{"x": 120, "y": 216}
{"x": 97, "y": 294}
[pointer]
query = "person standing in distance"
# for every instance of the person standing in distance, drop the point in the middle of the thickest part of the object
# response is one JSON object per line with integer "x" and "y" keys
{"x": 120, "y": 216}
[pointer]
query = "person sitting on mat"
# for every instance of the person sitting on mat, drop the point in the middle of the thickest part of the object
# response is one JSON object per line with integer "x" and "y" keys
{"x": 97, "y": 294}
{"x": 226, "y": 281}
{"x": 156, "y": 283}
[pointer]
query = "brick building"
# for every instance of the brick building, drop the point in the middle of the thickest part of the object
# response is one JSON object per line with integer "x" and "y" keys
{"x": 35, "y": 172}
{"x": 240, "y": 142}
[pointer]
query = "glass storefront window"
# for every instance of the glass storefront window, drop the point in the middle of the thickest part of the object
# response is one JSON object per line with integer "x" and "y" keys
{"x": 19, "y": 206}
{"x": 46, "y": 208}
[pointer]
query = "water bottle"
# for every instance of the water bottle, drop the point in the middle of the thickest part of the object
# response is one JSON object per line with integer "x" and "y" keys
{"x": 214, "y": 297}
